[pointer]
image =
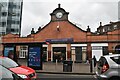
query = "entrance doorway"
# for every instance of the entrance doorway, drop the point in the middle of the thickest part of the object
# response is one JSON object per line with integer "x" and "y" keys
{"x": 59, "y": 54}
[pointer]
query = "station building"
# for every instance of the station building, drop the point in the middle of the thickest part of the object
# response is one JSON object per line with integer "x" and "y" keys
{"x": 63, "y": 40}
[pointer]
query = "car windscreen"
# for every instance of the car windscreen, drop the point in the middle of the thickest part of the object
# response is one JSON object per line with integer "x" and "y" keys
{"x": 5, "y": 74}
{"x": 116, "y": 59}
{"x": 8, "y": 63}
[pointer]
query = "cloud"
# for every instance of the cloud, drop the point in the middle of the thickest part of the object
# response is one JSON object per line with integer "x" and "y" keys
{"x": 84, "y": 12}
{"x": 74, "y": 1}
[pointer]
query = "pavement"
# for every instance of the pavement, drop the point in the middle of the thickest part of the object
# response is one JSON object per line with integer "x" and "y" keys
{"x": 57, "y": 68}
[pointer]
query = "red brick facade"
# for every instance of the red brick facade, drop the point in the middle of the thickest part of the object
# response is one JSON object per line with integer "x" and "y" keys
{"x": 66, "y": 30}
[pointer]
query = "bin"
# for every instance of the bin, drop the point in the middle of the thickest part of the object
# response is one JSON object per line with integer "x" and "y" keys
{"x": 67, "y": 66}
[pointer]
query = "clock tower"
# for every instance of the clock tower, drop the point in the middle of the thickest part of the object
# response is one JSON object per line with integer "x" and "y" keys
{"x": 59, "y": 14}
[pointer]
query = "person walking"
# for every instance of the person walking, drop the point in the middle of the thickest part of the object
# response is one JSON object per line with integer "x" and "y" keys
{"x": 95, "y": 61}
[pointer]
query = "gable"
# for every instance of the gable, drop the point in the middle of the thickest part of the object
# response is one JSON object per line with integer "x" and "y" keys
{"x": 66, "y": 30}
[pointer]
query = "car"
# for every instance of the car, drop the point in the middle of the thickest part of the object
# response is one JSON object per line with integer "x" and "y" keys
{"x": 24, "y": 72}
{"x": 6, "y": 74}
{"x": 108, "y": 67}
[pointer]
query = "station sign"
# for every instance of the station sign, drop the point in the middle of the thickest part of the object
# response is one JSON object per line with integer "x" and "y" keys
{"x": 67, "y": 40}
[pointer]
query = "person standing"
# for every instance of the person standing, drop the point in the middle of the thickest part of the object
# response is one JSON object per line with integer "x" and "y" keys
{"x": 11, "y": 55}
{"x": 95, "y": 61}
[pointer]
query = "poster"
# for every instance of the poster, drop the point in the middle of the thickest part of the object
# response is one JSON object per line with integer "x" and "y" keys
{"x": 9, "y": 52}
{"x": 34, "y": 56}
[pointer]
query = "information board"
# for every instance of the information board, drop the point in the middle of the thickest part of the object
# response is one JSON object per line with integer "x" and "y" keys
{"x": 34, "y": 57}
{"x": 8, "y": 50}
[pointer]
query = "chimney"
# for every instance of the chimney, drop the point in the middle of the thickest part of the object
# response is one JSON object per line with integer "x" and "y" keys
{"x": 88, "y": 29}
{"x": 59, "y": 6}
{"x": 39, "y": 28}
{"x": 32, "y": 31}
{"x": 100, "y": 23}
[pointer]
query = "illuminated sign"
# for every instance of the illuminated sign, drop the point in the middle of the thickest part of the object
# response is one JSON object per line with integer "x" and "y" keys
{"x": 34, "y": 56}
{"x": 8, "y": 51}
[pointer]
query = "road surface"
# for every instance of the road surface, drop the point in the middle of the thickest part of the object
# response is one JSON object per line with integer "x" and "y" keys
{"x": 41, "y": 76}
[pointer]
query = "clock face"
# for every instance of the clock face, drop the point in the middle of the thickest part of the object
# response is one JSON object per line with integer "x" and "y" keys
{"x": 59, "y": 15}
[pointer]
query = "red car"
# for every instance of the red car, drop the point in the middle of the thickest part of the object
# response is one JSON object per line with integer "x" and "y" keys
{"x": 23, "y": 71}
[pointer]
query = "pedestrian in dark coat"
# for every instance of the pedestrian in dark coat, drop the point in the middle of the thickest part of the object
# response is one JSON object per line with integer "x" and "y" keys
{"x": 95, "y": 61}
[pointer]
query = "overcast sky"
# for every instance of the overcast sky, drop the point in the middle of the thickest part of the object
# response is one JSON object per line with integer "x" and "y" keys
{"x": 83, "y": 12}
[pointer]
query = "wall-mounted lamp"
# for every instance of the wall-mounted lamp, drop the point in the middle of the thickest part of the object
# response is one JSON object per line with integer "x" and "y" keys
{"x": 58, "y": 28}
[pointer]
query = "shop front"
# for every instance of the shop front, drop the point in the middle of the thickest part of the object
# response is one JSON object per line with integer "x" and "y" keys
{"x": 61, "y": 52}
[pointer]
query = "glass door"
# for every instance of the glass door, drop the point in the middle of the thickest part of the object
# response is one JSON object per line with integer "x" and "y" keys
{"x": 59, "y": 54}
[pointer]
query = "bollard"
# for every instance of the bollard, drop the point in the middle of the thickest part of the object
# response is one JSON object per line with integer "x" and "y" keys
{"x": 93, "y": 68}
{"x": 56, "y": 64}
{"x": 56, "y": 61}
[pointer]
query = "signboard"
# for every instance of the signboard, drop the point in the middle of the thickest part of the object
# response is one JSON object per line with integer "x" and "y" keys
{"x": 9, "y": 51}
{"x": 34, "y": 57}
{"x": 60, "y": 40}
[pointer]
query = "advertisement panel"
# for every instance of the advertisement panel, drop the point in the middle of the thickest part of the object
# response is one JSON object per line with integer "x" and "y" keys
{"x": 9, "y": 52}
{"x": 34, "y": 57}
